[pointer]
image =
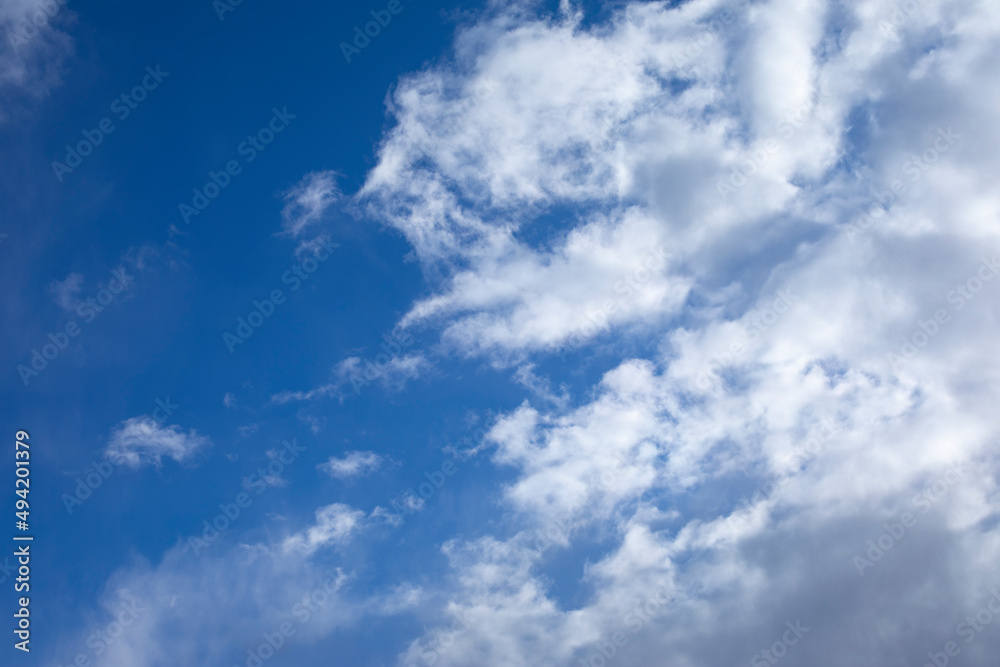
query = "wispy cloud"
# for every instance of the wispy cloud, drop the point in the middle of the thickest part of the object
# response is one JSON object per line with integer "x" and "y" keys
{"x": 295, "y": 396}
{"x": 356, "y": 373}
{"x": 32, "y": 46}
{"x": 352, "y": 464}
{"x": 64, "y": 292}
{"x": 309, "y": 201}
{"x": 141, "y": 441}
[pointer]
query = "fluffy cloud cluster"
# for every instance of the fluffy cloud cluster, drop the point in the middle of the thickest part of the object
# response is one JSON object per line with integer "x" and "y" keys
{"x": 790, "y": 205}
{"x": 816, "y": 176}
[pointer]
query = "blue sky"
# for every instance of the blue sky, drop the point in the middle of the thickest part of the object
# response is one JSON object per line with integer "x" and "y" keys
{"x": 672, "y": 313}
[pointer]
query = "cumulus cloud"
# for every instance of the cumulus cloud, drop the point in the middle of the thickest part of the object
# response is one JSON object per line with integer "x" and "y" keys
{"x": 797, "y": 426}
{"x": 141, "y": 441}
{"x": 605, "y": 273}
{"x": 351, "y": 464}
{"x": 623, "y": 128}
{"x": 817, "y": 178}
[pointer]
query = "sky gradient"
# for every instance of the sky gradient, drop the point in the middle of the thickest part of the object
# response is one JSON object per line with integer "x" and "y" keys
{"x": 509, "y": 333}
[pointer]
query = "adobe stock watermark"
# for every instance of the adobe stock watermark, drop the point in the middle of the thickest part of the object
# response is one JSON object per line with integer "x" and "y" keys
{"x": 929, "y": 328}
{"x": 99, "y": 471}
{"x": 362, "y": 38}
{"x": 761, "y": 320}
{"x": 967, "y": 630}
{"x": 88, "y": 483}
{"x": 303, "y": 611}
{"x": 167, "y": 409}
{"x": 779, "y": 649}
{"x": 901, "y": 13}
{"x": 121, "y": 106}
{"x": 444, "y": 639}
{"x": 223, "y": 7}
{"x": 786, "y": 127}
{"x": 263, "y": 310}
{"x": 637, "y": 619}
{"x": 914, "y": 167}
{"x": 410, "y": 502}
{"x": 230, "y": 512}
{"x": 33, "y": 25}
{"x": 7, "y": 569}
{"x": 817, "y": 439}
{"x": 894, "y": 533}
{"x": 616, "y": 130}
{"x": 102, "y": 639}
{"x": 392, "y": 347}
{"x": 88, "y": 311}
{"x": 715, "y": 27}
{"x": 248, "y": 149}
{"x": 482, "y": 90}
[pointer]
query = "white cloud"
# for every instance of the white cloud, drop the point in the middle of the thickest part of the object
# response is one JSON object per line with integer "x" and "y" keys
{"x": 745, "y": 148}
{"x": 351, "y": 464}
{"x": 33, "y": 46}
{"x": 541, "y": 387}
{"x": 536, "y": 194}
{"x": 334, "y": 524}
{"x": 291, "y": 396}
{"x": 248, "y": 430}
{"x": 356, "y": 373}
{"x": 308, "y": 201}
{"x": 607, "y": 272}
{"x": 141, "y": 441}
{"x": 392, "y": 374}
{"x": 188, "y": 603}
